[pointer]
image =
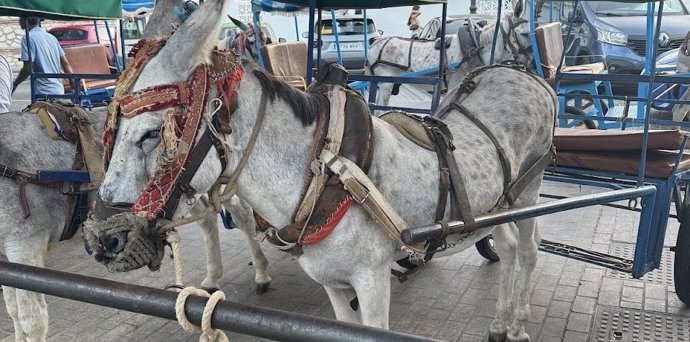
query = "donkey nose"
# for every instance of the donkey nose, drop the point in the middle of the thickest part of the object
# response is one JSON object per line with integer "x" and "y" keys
{"x": 115, "y": 243}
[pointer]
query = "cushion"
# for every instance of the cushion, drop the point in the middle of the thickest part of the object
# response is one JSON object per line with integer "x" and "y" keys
{"x": 570, "y": 139}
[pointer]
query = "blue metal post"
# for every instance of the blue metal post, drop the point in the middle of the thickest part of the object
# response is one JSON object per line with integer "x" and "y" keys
{"x": 642, "y": 87}
{"x": 296, "y": 29}
{"x": 533, "y": 40}
{"x": 441, "y": 61}
{"x": 319, "y": 43}
{"x": 651, "y": 65}
{"x": 366, "y": 36}
{"x": 32, "y": 78}
{"x": 122, "y": 45}
{"x": 498, "y": 27}
{"x": 310, "y": 40}
{"x": 334, "y": 22}
{"x": 112, "y": 45}
{"x": 257, "y": 38}
{"x": 98, "y": 35}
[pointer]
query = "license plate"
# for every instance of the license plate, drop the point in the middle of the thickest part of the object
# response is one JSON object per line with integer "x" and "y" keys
{"x": 348, "y": 46}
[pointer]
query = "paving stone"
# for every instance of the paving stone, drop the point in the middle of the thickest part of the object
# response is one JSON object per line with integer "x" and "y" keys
{"x": 633, "y": 294}
{"x": 553, "y": 326}
{"x": 655, "y": 291}
{"x": 579, "y": 322}
{"x": 584, "y": 305}
{"x": 657, "y": 305}
{"x": 575, "y": 336}
{"x": 565, "y": 293}
{"x": 609, "y": 298}
{"x": 559, "y": 309}
{"x": 541, "y": 297}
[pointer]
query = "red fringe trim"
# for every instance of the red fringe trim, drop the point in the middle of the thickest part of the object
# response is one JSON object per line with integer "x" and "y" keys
{"x": 330, "y": 224}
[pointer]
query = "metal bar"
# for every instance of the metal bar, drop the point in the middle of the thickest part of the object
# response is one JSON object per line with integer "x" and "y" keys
{"x": 230, "y": 316}
{"x": 75, "y": 75}
{"x": 404, "y": 109}
{"x": 257, "y": 38}
{"x": 648, "y": 104}
{"x": 123, "y": 53}
{"x": 319, "y": 42}
{"x": 432, "y": 231}
{"x": 310, "y": 41}
{"x": 334, "y": 22}
{"x": 591, "y": 257}
{"x": 32, "y": 77}
{"x": 296, "y": 29}
{"x": 391, "y": 79}
{"x": 678, "y": 78}
{"x": 568, "y": 37}
{"x": 435, "y": 98}
{"x": 533, "y": 40}
{"x": 112, "y": 45}
{"x": 498, "y": 27}
{"x": 366, "y": 36}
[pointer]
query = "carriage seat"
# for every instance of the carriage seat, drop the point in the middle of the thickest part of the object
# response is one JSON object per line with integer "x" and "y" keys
{"x": 619, "y": 151}
{"x": 550, "y": 43}
{"x": 88, "y": 59}
{"x": 287, "y": 62}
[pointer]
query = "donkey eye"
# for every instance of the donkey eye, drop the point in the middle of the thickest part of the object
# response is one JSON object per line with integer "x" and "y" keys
{"x": 150, "y": 135}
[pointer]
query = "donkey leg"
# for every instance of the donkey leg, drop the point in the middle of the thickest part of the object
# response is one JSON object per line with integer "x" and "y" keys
{"x": 31, "y": 323}
{"x": 384, "y": 94}
{"x": 528, "y": 245}
{"x": 506, "y": 245}
{"x": 10, "y": 295}
{"x": 243, "y": 215}
{"x": 373, "y": 287}
{"x": 340, "y": 301}
{"x": 214, "y": 261}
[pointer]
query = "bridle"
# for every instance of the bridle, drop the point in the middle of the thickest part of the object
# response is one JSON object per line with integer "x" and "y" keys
{"x": 516, "y": 49}
{"x": 184, "y": 104}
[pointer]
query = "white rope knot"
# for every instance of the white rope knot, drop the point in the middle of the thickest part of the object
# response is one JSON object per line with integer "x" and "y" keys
{"x": 208, "y": 333}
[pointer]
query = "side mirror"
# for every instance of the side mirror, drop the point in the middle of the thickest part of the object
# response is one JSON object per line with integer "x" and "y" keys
{"x": 380, "y": 32}
{"x": 282, "y": 40}
{"x": 305, "y": 34}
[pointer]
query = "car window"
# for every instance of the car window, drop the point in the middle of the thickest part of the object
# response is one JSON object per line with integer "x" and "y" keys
{"x": 430, "y": 29}
{"x": 70, "y": 34}
{"x": 451, "y": 27}
{"x": 550, "y": 12}
{"x": 347, "y": 26}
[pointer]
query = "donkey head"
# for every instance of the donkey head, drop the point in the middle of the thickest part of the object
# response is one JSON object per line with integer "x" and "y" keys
{"x": 145, "y": 143}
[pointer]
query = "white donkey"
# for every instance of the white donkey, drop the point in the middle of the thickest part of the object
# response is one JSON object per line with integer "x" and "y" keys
{"x": 354, "y": 260}
{"x": 397, "y": 56}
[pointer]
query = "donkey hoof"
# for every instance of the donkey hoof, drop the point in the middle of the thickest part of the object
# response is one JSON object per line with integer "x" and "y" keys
{"x": 498, "y": 336}
{"x": 262, "y": 288}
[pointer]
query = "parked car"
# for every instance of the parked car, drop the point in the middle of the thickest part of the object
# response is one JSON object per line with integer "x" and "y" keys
{"x": 615, "y": 31}
{"x": 351, "y": 30}
{"x": 71, "y": 35}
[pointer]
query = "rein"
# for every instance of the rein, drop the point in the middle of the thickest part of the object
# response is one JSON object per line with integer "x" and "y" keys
{"x": 515, "y": 50}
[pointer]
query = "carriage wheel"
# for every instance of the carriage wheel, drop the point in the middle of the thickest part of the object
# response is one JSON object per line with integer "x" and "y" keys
{"x": 485, "y": 247}
{"x": 577, "y": 111}
{"x": 681, "y": 270}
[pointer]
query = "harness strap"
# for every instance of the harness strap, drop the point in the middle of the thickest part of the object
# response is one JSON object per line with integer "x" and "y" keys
{"x": 365, "y": 193}
{"x": 505, "y": 162}
{"x": 521, "y": 183}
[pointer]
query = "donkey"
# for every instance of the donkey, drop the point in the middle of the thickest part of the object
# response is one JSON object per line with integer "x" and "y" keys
{"x": 244, "y": 40}
{"x": 25, "y": 146}
{"x": 354, "y": 260}
{"x": 396, "y": 56}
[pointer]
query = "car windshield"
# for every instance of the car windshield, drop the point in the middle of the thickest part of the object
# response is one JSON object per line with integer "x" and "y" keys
{"x": 621, "y": 9}
{"x": 347, "y": 26}
{"x": 69, "y": 34}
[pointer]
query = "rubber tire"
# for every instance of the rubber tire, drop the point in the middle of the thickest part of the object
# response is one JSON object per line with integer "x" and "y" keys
{"x": 577, "y": 111}
{"x": 681, "y": 270}
{"x": 486, "y": 249}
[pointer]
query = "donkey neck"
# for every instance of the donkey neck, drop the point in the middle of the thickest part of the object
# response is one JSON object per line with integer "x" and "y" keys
{"x": 273, "y": 177}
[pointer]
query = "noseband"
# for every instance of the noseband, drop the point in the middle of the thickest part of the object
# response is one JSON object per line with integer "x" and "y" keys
{"x": 182, "y": 149}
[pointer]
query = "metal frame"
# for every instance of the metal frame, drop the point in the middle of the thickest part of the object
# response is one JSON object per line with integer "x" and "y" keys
{"x": 231, "y": 316}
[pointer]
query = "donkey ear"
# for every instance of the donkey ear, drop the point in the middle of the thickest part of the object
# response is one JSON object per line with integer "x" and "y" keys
{"x": 518, "y": 8}
{"x": 160, "y": 21}
{"x": 193, "y": 41}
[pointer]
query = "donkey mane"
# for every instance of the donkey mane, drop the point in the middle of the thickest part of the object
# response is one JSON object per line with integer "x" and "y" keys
{"x": 307, "y": 107}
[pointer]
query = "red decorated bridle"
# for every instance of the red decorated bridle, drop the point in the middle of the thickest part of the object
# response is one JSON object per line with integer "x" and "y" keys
{"x": 182, "y": 150}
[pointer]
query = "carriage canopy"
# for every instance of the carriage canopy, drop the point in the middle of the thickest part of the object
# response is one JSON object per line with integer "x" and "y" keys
{"x": 62, "y": 10}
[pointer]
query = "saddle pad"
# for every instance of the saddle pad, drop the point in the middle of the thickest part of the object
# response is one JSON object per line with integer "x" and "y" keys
{"x": 659, "y": 163}
{"x": 410, "y": 126}
{"x": 569, "y": 139}
{"x": 56, "y": 119}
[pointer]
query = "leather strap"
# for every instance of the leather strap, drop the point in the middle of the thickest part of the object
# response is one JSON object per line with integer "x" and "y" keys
{"x": 505, "y": 162}
{"x": 521, "y": 183}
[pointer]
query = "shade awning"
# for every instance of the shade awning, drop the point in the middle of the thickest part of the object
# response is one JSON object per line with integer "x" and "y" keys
{"x": 134, "y": 7}
{"x": 62, "y": 9}
{"x": 366, "y": 4}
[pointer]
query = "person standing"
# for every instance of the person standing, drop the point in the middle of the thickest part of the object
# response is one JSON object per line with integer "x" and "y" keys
{"x": 47, "y": 57}
{"x": 5, "y": 85}
{"x": 413, "y": 21}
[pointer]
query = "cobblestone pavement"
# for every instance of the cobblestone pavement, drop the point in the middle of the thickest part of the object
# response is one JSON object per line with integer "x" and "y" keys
{"x": 451, "y": 299}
